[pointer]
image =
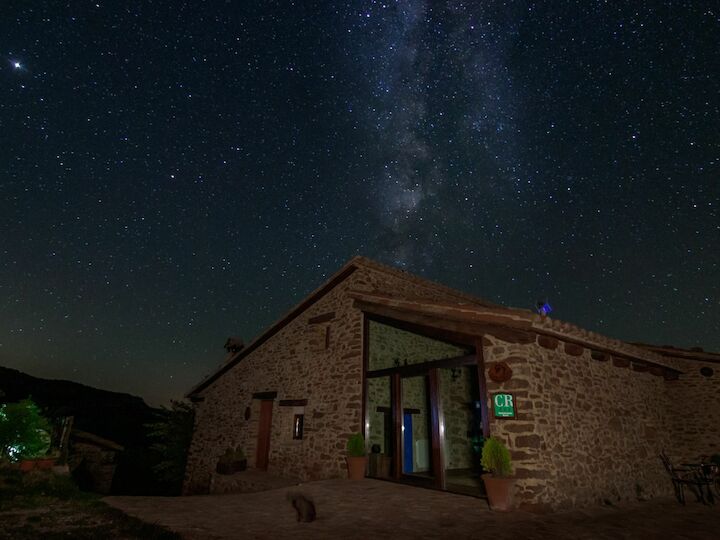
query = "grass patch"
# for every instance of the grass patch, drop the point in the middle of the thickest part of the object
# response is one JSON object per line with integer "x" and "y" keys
{"x": 44, "y": 505}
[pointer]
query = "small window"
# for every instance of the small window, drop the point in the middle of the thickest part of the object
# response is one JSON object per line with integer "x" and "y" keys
{"x": 298, "y": 421}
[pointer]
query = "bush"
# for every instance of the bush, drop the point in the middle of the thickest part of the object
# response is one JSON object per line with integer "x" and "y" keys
{"x": 356, "y": 445}
{"x": 496, "y": 457}
{"x": 24, "y": 433}
{"x": 170, "y": 436}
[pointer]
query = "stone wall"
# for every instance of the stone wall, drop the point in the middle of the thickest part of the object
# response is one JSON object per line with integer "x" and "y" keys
{"x": 295, "y": 364}
{"x": 694, "y": 411}
{"x": 92, "y": 466}
{"x": 586, "y": 431}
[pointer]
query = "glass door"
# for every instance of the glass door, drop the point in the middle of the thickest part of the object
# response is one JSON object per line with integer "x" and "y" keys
{"x": 461, "y": 427}
{"x": 379, "y": 427}
{"x": 417, "y": 430}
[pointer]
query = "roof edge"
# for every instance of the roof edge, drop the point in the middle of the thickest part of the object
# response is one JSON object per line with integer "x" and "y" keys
{"x": 521, "y": 320}
{"x": 334, "y": 280}
{"x": 670, "y": 351}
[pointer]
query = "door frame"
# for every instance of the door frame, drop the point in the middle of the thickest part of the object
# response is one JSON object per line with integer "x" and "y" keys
{"x": 262, "y": 449}
{"x": 396, "y": 374}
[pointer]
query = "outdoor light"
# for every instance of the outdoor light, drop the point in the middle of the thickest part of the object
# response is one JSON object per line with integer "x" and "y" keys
{"x": 543, "y": 307}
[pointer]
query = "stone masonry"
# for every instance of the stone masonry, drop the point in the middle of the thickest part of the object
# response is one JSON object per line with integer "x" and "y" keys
{"x": 586, "y": 431}
{"x": 694, "y": 410}
{"x": 589, "y": 427}
{"x": 295, "y": 364}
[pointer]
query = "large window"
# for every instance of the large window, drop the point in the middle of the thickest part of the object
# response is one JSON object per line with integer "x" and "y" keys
{"x": 391, "y": 347}
{"x": 423, "y": 414}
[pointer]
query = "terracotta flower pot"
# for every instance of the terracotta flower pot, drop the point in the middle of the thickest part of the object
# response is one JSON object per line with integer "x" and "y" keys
{"x": 356, "y": 467}
{"x": 27, "y": 465}
{"x": 44, "y": 463}
{"x": 499, "y": 491}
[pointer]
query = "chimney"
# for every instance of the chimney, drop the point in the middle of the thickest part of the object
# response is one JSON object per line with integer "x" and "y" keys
{"x": 234, "y": 345}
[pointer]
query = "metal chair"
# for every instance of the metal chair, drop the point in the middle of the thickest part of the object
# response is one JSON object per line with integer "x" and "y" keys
{"x": 693, "y": 478}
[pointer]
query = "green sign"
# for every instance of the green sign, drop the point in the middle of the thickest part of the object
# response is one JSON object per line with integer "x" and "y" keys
{"x": 503, "y": 405}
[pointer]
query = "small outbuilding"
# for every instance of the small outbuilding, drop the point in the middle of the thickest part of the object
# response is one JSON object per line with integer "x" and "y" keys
{"x": 426, "y": 373}
{"x": 92, "y": 460}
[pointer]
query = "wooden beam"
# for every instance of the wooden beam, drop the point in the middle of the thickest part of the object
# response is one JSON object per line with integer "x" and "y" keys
{"x": 438, "y": 463}
{"x": 319, "y": 319}
{"x": 293, "y": 402}
{"x": 573, "y": 349}
{"x": 482, "y": 388}
{"x": 365, "y": 360}
{"x": 619, "y": 361}
{"x": 396, "y": 399}
{"x": 422, "y": 367}
{"x": 547, "y": 342}
{"x": 511, "y": 335}
{"x": 264, "y": 395}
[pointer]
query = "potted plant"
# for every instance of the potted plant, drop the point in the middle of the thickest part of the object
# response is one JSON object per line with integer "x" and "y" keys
{"x": 498, "y": 484}
{"x": 225, "y": 463}
{"x": 239, "y": 460}
{"x": 356, "y": 457}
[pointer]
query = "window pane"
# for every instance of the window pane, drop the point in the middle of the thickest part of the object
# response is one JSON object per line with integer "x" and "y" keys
{"x": 391, "y": 347}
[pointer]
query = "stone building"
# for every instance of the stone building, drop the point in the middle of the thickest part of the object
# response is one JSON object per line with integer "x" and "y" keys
{"x": 426, "y": 372}
{"x": 92, "y": 460}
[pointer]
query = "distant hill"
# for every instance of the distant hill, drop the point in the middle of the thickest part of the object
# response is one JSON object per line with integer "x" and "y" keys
{"x": 113, "y": 415}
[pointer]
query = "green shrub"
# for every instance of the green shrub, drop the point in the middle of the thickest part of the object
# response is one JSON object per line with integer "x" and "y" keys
{"x": 24, "y": 432}
{"x": 356, "y": 445}
{"x": 496, "y": 457}
{"x": 227, "y": 457}
{"x": 170, "y": 436}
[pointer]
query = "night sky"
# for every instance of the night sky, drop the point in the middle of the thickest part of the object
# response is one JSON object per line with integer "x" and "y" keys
{"x": 172, "y": 173}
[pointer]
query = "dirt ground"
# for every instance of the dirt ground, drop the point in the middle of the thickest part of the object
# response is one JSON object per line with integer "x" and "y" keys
{"x": 79, "y": 520}
{"x": 376, "y": 509}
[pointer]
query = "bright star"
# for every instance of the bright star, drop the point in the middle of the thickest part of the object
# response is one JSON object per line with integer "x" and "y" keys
{"x": 17, "y": 65}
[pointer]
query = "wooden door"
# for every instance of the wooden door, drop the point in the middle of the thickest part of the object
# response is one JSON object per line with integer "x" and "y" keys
{"x": 263, "y": 440}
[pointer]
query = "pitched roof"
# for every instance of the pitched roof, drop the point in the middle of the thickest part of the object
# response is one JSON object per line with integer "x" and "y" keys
{"x": 96, "y": 440}
{"x": 334, "y": 280}
{"x": 466, "y": 306}
{"x": 694, "y": 353}
{"x": 480, "y": 316}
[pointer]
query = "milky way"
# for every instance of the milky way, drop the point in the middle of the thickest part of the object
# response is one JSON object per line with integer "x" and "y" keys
{"x": 173, "y": 173}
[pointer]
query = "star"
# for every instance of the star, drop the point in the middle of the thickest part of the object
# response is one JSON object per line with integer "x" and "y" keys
{"x": 17, "y": 65}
